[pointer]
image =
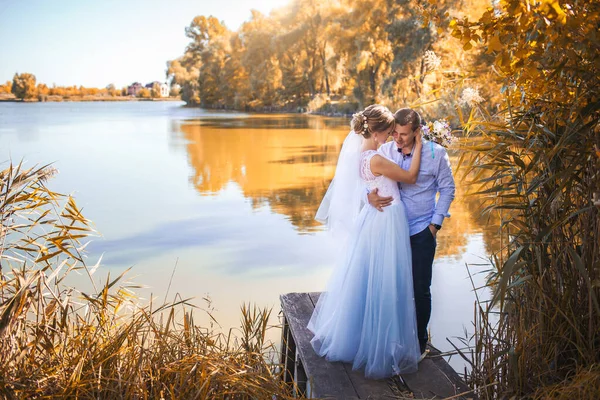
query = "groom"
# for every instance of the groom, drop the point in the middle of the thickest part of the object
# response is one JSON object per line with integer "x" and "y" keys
{"x": 425, "y": 216}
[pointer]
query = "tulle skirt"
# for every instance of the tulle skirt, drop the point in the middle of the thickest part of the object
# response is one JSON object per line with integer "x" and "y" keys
{"x": 366, "y": 316}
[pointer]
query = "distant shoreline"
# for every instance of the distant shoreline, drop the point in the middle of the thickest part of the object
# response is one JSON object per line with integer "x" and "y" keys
{"x": 89, "y": 99}
{"x": 73, "y": 99}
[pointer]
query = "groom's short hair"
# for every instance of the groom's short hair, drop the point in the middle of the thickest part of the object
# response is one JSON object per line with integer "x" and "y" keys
{"x": 408, "y": 116}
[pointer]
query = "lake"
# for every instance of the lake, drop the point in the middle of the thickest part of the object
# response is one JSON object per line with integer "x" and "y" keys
{"x": 220, "y": 204}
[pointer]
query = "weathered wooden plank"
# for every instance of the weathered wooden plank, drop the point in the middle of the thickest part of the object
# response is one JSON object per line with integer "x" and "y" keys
{"x": 314, "y": 297}
{"x": 327, "y": 380}
{"x": 288, "y": 353}
{"x": 427, "y": 381}
{"x": 436, "y": 378}
{"x": 302, "y": 384}
{"x": 369, "y": 388}
{"x": 459, "y": 385}
{"x": 431, "y": 381}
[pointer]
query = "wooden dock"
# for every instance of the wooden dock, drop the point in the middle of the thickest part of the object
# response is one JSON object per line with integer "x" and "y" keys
{"x": 312, "y": 376}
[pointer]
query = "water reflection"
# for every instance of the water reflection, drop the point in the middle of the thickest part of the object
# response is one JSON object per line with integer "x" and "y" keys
{"x": 284, "y": 162}
{"x": 287, "y": 162}
{"x": 465, "y": 222}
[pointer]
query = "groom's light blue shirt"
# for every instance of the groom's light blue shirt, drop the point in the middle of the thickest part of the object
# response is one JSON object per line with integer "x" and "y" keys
{"x": 435, "y": 176}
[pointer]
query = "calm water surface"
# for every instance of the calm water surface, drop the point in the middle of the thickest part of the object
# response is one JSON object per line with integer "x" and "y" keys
{"x": 225, "y": 201}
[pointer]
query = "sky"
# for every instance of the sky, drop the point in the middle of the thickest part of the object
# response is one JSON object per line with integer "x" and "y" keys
{"x": 97, "y": 42}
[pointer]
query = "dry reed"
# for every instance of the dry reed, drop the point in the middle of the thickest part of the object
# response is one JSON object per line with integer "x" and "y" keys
{"x": 539, "y": 335}
{"x": 58, "y": 341}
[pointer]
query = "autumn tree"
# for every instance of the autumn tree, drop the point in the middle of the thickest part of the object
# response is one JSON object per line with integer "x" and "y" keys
{"x": 185, "y": 72}
{"x": 6, "y": 88}
{"x": 235, "y": 89}
{"x": 144, "y": 93}
{"x": 111, "y": 90}
{"x": 23, "y": 86}
{"x": 155, "y": 91}
{"x": 211, "y": 42}
{"x": 358, "y": 51}
{"x": 175, "y": 91}
{"x": 260, "y": 60}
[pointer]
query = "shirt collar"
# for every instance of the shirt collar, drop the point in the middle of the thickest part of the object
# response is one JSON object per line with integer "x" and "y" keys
{"x": 409, "y": 155}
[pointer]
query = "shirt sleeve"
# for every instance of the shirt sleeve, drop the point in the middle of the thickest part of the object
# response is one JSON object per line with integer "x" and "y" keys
{"x": 446, "y": 187}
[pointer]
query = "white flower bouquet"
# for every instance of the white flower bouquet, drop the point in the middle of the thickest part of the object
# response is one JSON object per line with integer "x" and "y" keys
{"x": 438, "y": 132}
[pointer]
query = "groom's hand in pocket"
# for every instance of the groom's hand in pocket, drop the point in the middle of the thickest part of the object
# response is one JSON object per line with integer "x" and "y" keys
{"x": 433, "y": 231}
{"x": 377, "y": 201}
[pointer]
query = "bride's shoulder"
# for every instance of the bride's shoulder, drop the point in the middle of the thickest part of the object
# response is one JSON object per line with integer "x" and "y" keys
{"x": 367, "y": 155}
{"x": 373, "y": 159}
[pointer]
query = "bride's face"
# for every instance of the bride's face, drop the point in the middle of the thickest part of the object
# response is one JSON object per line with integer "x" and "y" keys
{"x": 382, "y": 137}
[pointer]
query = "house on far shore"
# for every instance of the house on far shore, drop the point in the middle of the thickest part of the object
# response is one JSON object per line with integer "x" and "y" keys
{"x": 164, "y": 88}
{"x": 133, "y": 89}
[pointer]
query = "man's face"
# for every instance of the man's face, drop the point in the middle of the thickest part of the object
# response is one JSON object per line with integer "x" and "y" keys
{"x": 403, "y": 135}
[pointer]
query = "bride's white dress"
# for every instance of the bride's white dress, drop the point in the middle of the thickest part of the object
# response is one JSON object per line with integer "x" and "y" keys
{"x": 366, "y": 316}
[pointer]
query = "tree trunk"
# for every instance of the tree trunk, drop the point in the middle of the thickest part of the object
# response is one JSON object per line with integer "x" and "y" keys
{"x": 373, "y": 82}
{"x": 325, "y": 73}
{"x": 422, "y": 77}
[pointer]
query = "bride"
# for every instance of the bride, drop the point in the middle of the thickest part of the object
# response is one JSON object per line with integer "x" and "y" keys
{"x": 366, "y": 316}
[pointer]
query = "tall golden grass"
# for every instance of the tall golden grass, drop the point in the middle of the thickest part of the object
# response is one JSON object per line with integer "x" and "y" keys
{"x": 539, "y": 335}
{"x": 58, "y": 341}
{"x": 535, "y": 161}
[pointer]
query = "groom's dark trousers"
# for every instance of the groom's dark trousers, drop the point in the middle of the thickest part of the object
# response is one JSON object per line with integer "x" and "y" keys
{"x": 423, "y": 250}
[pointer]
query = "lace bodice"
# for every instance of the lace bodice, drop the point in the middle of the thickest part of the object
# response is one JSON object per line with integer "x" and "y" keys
{"x": 386, "y": 186}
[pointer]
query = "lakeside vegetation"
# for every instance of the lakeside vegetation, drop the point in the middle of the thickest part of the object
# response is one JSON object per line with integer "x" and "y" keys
{"x": 24, "y": 87}
{"x": 331, "y": 56}
{"x": 535, "y": 163}
{"x": 59, "y": 341}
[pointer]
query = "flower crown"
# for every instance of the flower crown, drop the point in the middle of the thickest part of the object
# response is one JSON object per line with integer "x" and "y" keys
{"x": 364, "y": 119}
{"x": 438, "y": 132}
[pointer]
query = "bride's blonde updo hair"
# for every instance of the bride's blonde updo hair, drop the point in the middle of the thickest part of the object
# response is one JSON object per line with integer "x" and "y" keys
{"x": 375, "y": 118}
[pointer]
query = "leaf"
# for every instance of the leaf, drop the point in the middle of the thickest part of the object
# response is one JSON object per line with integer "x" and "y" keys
{"x": 579, "y": 264}
{"x": 494, "y": 44}
{"x": 505, "y": 274}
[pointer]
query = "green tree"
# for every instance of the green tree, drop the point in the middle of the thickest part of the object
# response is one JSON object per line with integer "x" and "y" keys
{"x": 23, "y": 86}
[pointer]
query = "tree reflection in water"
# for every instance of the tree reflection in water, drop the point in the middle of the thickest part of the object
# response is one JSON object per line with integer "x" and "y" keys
{"x": 285, "y": 162}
